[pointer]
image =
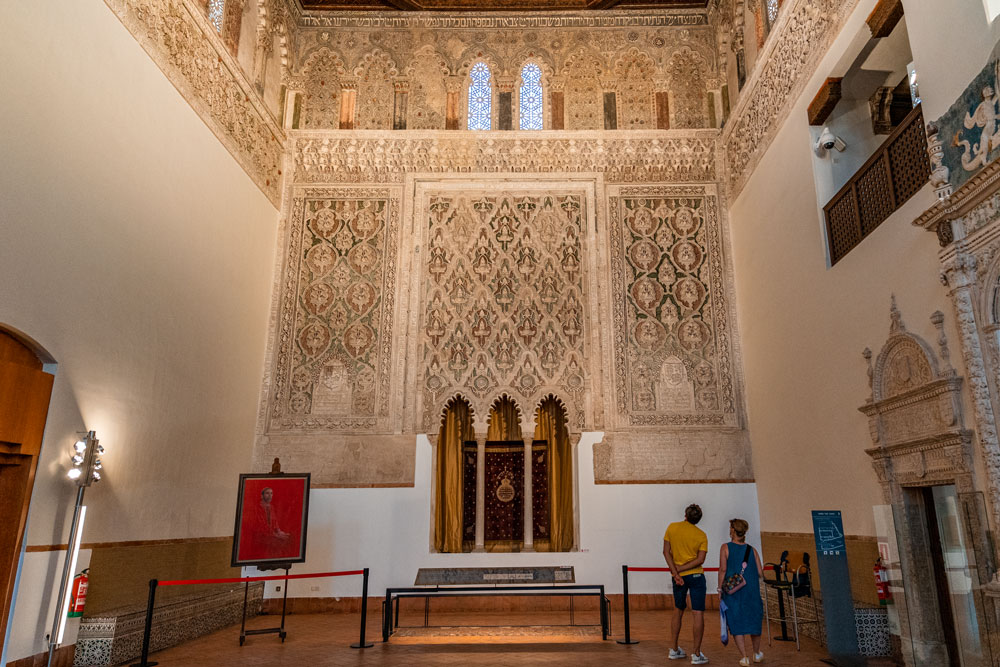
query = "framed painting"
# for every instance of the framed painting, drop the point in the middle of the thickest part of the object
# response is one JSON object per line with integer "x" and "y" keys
{"x": 272, "y": 513}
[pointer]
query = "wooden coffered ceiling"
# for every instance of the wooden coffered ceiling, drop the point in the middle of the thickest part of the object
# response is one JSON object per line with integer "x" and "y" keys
{"x": 497, "y": 5}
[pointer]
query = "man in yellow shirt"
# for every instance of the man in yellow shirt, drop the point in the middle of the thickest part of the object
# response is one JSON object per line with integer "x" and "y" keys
{"x": 684, "y": 548}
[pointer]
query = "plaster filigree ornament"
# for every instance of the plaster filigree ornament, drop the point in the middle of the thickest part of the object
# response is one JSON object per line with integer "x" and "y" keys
{"x": 667, "y": 254}
{"x": 802, "y": 35}
{"x": 336, "y": 314}
{"x": 178, "y": 37}
{"x": 376, "y": 157}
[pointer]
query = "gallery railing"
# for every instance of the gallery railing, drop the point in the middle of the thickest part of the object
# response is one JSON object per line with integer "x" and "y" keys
{"x": 897, "y": 170}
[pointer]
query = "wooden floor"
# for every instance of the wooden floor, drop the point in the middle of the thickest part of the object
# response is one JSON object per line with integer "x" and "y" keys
{"x": 324, "y": 639}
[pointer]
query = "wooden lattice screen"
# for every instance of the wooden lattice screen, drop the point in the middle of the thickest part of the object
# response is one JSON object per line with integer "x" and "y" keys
{"x": 897, "y": 170}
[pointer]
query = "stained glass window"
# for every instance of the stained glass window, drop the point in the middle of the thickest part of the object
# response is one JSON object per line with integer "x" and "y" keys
{"x": 216, "y": 9}
{"x": 772, "y": 11}
{"x": 480, "y": 97}
{"x": 531, "y": 97}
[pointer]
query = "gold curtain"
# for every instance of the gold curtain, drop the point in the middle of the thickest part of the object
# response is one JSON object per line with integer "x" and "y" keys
{"x": 455, "y": 428}
{"x": 504, "y": 421}
{"x": 550, "y": 426}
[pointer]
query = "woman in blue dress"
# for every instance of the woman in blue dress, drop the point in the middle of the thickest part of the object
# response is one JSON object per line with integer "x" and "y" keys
{"x": 745, "y": 615}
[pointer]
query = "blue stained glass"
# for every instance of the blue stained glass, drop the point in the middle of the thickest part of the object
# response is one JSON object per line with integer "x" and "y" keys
{"x": 772, "y": 11}
{"x": 531, "y": 97}
{"x": 216, "y": 9}
{"x": 480, "y": 97}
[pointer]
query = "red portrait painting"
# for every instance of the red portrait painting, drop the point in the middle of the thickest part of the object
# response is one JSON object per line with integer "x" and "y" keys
{"x": 271, "y": 516}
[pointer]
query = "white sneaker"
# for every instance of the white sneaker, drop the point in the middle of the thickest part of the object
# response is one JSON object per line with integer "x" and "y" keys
{"x": 677, "y": 654}
{"x": 758, "y": 657}
{"x": 699, "y": 659}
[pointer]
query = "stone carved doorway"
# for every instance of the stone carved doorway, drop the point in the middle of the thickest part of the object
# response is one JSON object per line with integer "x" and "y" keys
{"x": 923, "y": 457}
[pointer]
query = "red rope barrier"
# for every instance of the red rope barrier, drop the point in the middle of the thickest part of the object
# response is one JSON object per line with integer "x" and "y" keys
{"x": 280, "y": 577}
{"x": 665, "y": 569}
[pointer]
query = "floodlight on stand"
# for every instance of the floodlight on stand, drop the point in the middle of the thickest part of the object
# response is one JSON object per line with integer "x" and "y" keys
{"x": 84, "y": 472}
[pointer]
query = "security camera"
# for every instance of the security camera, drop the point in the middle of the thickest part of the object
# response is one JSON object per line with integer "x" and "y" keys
{"x": 829, "y": 141}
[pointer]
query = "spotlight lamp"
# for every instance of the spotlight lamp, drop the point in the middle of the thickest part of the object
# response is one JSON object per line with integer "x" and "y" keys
{"x": 86, "y": 461}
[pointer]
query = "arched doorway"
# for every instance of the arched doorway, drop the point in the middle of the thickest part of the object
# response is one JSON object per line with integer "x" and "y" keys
{"x": 25, "y": 389}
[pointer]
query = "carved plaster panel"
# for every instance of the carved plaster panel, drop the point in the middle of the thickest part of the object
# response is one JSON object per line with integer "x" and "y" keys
{"x": 673, "y": 356}
{"x": 590, "y": 55}
{"x": 505, "y": 278}
{"x": 337, "y": 305}
{"x": 802, "y": 35}
{"x": 386, "y": 157}
{"x": 177, "y": 36}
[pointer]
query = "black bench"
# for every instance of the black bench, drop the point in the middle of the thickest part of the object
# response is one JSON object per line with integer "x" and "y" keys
{"x": 390, "y": 621}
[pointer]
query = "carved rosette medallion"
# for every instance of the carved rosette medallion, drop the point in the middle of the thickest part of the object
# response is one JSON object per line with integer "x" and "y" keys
{"x": 673, "y": 358}
{"x": 336, "y": 311}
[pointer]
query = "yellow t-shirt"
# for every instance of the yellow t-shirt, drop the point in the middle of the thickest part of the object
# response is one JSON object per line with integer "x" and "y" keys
{"x": 686, "y": 540}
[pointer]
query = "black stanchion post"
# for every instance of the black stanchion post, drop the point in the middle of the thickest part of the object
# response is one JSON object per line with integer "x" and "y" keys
{"x": 364, "y": 613}
{"x": 144, "y": 660}
{"x": 628, "y": 627}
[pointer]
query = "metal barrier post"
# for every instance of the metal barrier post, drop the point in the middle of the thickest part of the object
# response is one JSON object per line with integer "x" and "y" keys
{"x": 364, "y": 613}
{"x": 628, "y": 628}
{"x": 144, "y": 660}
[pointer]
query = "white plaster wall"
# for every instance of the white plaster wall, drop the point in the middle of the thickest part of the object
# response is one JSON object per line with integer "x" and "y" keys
{"x": 389, "y": 531}
{"x": 804, "y": 325}
{"x": 36, "y": 603}
{"x": 135, "y": 250}
{"x": 951, "y": 42}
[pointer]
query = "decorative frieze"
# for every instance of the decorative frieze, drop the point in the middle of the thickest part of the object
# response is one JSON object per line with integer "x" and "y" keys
{"x": 802, "y": 35}
{"x": 386, "y": 157}
{"x": 178, "y": 37}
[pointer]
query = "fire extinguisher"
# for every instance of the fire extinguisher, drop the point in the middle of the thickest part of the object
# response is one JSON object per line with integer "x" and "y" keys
{"x": 882, "y": 583}
{"x": 78, "y": 595}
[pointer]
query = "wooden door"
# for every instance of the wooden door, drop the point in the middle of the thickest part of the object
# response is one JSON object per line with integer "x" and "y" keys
{"x": 24, "y": 403}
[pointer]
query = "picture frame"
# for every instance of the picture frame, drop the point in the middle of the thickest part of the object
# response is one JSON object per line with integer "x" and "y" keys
{"x": 272, "y": 517}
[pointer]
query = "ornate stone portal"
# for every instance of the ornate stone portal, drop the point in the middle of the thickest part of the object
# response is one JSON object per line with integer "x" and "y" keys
{"x": 917, "y": 426}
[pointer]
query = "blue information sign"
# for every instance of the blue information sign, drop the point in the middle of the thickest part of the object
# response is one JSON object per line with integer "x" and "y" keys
{"x": 835, "y": 581}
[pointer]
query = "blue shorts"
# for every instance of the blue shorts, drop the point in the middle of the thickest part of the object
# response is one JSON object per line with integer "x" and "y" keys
{"x": 695, "y": 583}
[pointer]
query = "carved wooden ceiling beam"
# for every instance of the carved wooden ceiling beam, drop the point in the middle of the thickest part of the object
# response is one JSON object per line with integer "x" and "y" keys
{"x": 884, "y": 17}
{"x": 825, "y": 101}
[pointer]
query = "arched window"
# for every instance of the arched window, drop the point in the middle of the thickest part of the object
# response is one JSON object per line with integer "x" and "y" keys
{"x": 772, "y": 12}
{"x": 480, "y": 97}
{"x": 531, "y": 97}
{"x": 216, "y": 10}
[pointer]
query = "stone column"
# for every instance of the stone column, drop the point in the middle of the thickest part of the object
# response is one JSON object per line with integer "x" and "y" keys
{"x": 401, "y": 86}
{"x": 529, "y": 526}
{"x": 348, "y": 102}
{"x": 662, "y": 96}
{"x": 557, "y": 104}
{"x": 480, "y": 493}
{"x": 960, "y": 276}
{"x": 506, "y": 115}
{"x": 453, "y": 111}
{"x": 610, "y": 86}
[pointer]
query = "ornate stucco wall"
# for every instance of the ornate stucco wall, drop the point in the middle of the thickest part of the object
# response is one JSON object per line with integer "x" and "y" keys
{"x": 587, "y": 265}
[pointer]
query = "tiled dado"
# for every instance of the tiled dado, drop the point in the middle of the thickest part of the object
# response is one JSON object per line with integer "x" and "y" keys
{"x": 116, "y": 636}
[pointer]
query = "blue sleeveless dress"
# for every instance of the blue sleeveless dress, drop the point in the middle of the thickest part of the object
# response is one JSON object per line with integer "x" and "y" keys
{"x": 746, "y": 611}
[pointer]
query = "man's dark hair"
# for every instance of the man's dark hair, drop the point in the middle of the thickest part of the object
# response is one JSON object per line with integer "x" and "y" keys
{"x": 693, "y": 514}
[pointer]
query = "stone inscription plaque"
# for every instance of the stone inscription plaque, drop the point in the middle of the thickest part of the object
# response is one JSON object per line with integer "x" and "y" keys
{"x": 457, "y": 576}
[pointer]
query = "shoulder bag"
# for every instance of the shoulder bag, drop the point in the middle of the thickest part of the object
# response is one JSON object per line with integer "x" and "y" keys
{"x": 735, "y": 582}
